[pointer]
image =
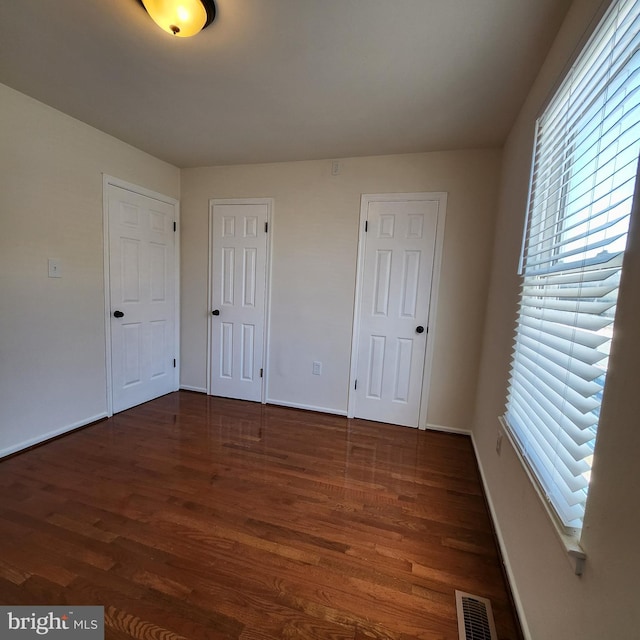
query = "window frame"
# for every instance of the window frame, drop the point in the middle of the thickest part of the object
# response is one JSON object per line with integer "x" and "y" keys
{"x": 568, "y": 534}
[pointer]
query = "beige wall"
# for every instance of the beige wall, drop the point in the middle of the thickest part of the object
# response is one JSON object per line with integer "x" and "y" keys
{"x": 315, "y": 238}
{"x": 52, "y": 344}
{"x": 555, "y": 603}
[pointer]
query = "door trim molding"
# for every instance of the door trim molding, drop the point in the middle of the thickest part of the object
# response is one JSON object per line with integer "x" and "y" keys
{"x": 365, "y": 200}
{"x": 267, "y": 292}
{"x": 108, "y": 181}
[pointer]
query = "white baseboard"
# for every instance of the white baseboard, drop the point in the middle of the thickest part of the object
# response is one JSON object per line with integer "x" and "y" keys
{"x": 186, "y": 387}
{"x": 439, "y": 427}
{"x": 25, "y": 444}
{"x": 306, "y": 407}
{"x": 503, "y": 550}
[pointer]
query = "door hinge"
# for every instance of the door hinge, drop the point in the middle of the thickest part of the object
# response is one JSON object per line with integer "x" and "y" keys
{"x": 261, "y": 372}
{"x": 355, "y": 386}
{"x": 266, "y": 227}
{"x": 174, "y": 363}
{"x": 366, "y": 226}
{"x": 175, "y": 226}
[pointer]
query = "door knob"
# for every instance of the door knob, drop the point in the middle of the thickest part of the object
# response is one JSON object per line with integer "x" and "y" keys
{"x": 118, "y": 314}
{"x": 420, "y": 329}
{"x": 215, "y": 312}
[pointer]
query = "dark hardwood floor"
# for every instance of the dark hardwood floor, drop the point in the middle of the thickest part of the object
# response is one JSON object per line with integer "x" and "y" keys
{"x": 203, "y": 518}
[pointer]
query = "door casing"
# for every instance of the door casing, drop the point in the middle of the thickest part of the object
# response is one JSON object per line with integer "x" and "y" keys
{"x": 365, "y": 200}
{"x": 122, "y": 184}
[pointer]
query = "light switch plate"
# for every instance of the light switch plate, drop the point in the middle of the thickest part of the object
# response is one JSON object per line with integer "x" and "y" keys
{"x": 54, "y": 269}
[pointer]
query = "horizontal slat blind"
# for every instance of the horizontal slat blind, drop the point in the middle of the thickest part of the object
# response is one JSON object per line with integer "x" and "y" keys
{"x": 582, "y": 186}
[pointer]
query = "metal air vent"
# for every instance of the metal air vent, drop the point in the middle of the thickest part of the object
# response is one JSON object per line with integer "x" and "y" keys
{"x": 475, "y": 618}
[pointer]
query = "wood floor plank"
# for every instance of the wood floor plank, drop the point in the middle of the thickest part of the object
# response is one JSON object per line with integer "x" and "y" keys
{"x": 203, "y": 518}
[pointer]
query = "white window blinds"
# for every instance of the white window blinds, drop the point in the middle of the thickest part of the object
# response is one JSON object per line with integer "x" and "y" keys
{"x": 582, "y": 186}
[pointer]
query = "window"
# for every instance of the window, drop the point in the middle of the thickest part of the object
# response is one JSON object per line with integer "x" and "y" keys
{"x": 582, "y": 186}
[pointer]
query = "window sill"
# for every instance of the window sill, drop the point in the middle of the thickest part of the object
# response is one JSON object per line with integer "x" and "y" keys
{"x": 570, "y": 539}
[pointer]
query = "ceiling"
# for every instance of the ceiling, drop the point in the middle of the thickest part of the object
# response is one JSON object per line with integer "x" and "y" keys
{"x": 278, "y": 80}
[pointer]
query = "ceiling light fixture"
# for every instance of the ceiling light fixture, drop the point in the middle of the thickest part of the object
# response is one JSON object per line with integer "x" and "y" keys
{"x": 182, "y": 18}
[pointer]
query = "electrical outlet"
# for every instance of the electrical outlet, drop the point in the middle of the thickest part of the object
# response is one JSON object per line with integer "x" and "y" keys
{"x": 317, "y": 368}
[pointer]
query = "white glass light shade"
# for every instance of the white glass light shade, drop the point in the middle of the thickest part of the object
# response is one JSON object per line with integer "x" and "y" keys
{"x": 183, "y": 18}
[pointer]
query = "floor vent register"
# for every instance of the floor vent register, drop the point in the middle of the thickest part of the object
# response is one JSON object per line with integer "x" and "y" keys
{"x": 475, "y": 618}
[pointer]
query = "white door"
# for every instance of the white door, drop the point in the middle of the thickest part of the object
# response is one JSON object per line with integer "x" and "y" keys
{"x": 238, "y": 297}
{"x": 142, "y": 295}
{"x": 395, "y": 293}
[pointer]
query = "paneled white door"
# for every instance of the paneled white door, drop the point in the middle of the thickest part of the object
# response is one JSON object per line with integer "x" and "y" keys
{"x": 238, "y": 297}
{"x": 395, "y": 293}
{"x": 142, "y": 295}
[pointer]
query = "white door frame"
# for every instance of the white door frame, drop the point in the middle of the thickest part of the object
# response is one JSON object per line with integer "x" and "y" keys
{"x": 128, "y": 186}
{"x": 365, "y": 200}
{"x": 267, "y": 284}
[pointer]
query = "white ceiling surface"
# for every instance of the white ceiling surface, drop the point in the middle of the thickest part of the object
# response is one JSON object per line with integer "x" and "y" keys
{"x": 277, "y": 80}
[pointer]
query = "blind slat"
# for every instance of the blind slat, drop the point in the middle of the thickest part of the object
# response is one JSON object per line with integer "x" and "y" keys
{"x": 573, "y": 479}
{"x": 554, "y": 387}
{"x": 556, "y": 406}
{"x": 584, "y": 387}
{"x": 576, "y": 306}
{"x": 588, "y": 355}
{"x": 569, "y": 318}
{"x": 583, "y": 338}
{"x": 573, "y": 365}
